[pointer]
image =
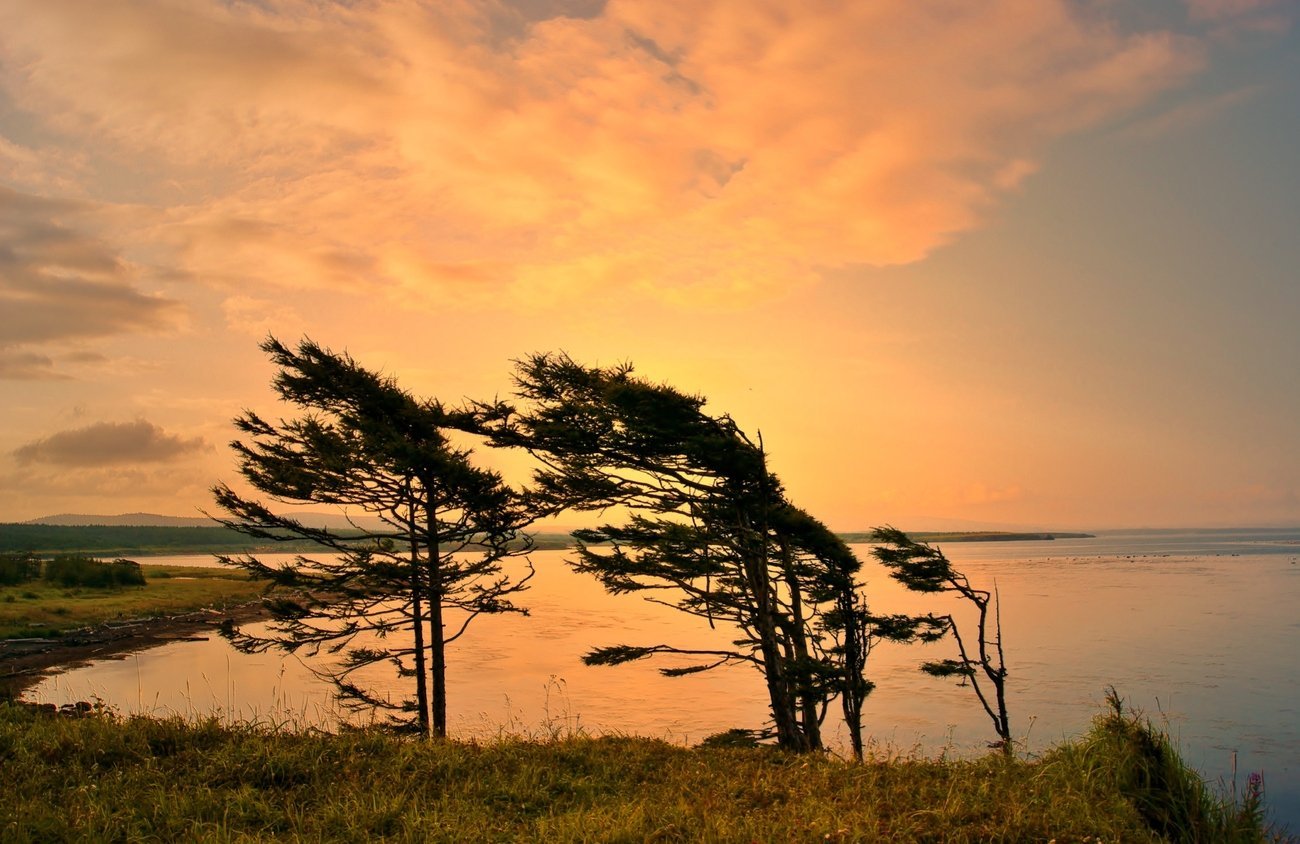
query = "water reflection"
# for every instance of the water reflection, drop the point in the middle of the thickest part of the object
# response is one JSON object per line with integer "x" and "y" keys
{"x": 1206, "y": 640}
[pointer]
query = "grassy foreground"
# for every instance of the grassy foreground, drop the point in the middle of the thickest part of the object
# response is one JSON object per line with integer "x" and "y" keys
{"x": 39, "y": 608}
{"x": 102, "y": 778}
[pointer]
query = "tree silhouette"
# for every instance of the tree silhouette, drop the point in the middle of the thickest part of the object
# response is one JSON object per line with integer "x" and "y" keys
{"x": 709, "y": 532}
{"x": 399, "y": 593}
{"x": 922, "y": 567}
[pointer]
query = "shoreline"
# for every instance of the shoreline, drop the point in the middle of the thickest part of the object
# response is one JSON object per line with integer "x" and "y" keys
{"x": 26, "y": 662}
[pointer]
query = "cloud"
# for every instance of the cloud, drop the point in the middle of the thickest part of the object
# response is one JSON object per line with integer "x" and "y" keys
{"x": 1214, "y": 10}
{"x": 27, "y": 366}
{"x": 60, "y": 285}
{"x": 42, "y": 170}
{"x": 259, "y": 317}
{"x": 57, "y": 282}
{"x": 109, "y": 443}
{"x": 980, "y": 493}
{"x": 1231, "y": 18}
{"x": 1193, "y": 113}
{"x": 35, "y": 491}
{"x": 195, "y": 81}
{"x": 702, "y": 149}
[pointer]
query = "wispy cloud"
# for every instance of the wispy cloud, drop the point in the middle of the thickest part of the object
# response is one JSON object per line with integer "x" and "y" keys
{"x": 1192, "y": 113}
{"x": 27, "y": 366}
{"x": 61, "y": 284}
{"x": 694, "y": 149}
{"x": 980, "y": 493}
{"x": 1219, "y": 10}
{"x": 1230, "y": 20}
{"x": 259, "y": 317}
{"x": 109, "y": 444}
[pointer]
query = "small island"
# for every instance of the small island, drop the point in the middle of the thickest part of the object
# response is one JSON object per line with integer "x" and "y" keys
{"x": 861, "y": 537}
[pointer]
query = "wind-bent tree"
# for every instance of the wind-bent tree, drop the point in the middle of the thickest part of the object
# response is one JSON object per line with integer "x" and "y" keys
{"x": 709, "y": 532}
{"x": 845, "y": 631}
{"x": 398, "y": 593}
{"x": 923, "y": 568}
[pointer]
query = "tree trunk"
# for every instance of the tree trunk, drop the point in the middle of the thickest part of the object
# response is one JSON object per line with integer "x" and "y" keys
{"x": 437, "y": 645}
{"x": 784, "y": 713}
{"x": 798, "y": 642}
{"x": 438, "y": 665}
{"x": 417, "y": 619}
{"x": 421, "y": 679}
{"x": 788, "y": 734}
{"x": 854, "y": 665}
{"x": 999, "y": 677}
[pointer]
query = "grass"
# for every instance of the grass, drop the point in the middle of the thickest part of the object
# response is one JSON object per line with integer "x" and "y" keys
{"x": 103, "y": 778}
{"x": 41, "y": 609}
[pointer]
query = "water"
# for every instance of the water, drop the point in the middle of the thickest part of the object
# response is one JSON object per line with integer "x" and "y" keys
{"x": 1197, "y": 629}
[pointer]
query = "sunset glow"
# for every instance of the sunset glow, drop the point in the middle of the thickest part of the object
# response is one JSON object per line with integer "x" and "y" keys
{"x": 1022, "y": 263}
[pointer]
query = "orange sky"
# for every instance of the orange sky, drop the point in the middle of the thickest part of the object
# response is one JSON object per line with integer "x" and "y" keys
{"x": 1025, "y": 262}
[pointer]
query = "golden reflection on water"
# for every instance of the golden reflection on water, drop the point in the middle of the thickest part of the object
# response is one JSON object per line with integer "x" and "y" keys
{"x": 1207, "y": 642}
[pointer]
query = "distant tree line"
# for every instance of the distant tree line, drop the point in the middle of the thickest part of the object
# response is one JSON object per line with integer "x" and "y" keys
{"x": 694, "y": 520}
{"x": 107, "y": 539}
{"x": 103, "y": 540}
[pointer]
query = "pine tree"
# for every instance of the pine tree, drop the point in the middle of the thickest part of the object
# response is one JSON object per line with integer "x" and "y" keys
{"x": 399, "y": 593}
{"x": 709, "y": 532}
{"x": 921, "y": 567}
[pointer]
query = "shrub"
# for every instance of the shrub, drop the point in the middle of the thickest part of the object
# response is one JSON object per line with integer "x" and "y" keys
{"x": 18, "y": 567}
{"x": 82, "y": 570}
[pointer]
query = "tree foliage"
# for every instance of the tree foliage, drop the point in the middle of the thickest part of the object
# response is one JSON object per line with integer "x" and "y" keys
{"x": 18, "y": 567}
{"x": 83, "y": 570}
{"x": 921, "y": 567}
{"x": 709, "y": 532}
{"x": 394, "y": 595}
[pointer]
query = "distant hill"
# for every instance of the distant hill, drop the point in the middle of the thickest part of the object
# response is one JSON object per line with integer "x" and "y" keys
{"x": 333, "y": 521}
{"x": 124, "y": 520}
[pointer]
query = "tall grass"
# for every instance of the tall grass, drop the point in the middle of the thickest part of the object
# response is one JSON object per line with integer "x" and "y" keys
{"x": 1140, "y": 762}
{"x": 103, "y": 778}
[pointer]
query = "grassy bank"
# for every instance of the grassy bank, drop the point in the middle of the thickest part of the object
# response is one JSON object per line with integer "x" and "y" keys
{"x": 41, "y": 609}
{"x": 104, "y": 779}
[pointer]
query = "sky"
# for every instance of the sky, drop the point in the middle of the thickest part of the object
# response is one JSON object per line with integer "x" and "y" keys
{"x": 1015, "y": 262}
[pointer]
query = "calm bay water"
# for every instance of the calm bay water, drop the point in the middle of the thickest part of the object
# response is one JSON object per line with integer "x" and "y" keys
{"x": 1200, "y": 630}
